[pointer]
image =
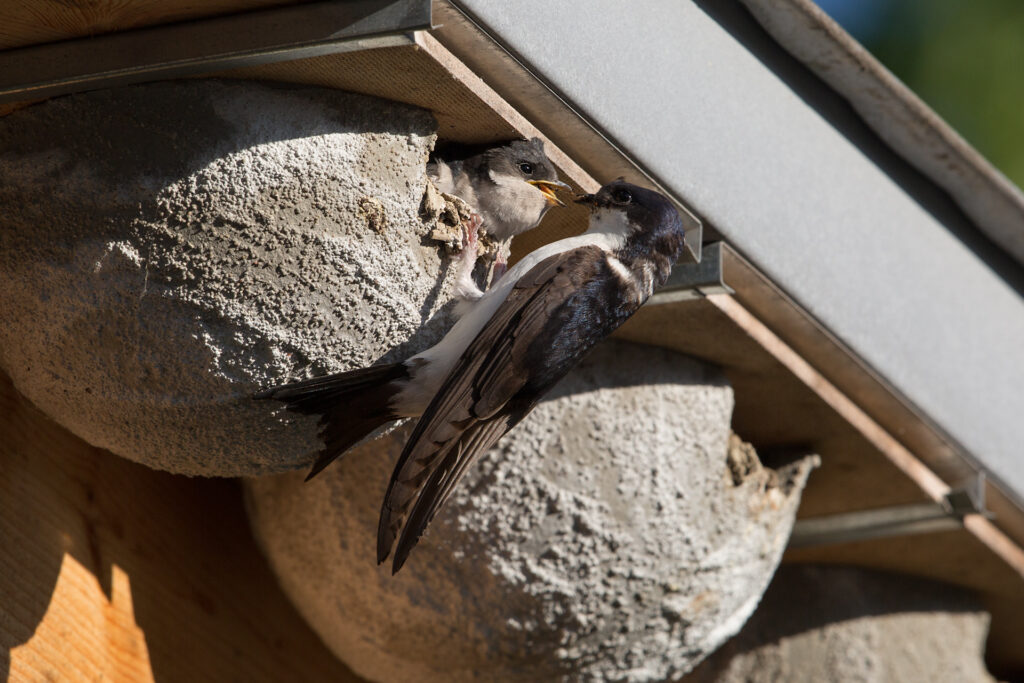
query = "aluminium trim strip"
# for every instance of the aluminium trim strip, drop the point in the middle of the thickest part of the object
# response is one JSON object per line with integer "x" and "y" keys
{"x": 207, "y": 45}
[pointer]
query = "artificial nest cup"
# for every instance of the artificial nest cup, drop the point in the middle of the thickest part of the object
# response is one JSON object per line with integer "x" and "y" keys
{"x": 618, "y": 533}
{"x": 168, "y": 249}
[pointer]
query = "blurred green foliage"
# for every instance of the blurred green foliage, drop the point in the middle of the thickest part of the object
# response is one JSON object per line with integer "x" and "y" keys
{"x": 965, "y": 58}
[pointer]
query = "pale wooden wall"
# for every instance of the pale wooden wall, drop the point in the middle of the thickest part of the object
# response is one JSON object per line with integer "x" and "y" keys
{"x": 111, "y": 571}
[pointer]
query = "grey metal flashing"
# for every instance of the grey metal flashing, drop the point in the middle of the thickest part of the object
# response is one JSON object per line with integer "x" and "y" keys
{"x": 207, "y": 45}
{"x": 898, "y": 520}
{"x": 694, "y": 280}
{"x": 701, "y": 98}
{"x": 899, "y": 117}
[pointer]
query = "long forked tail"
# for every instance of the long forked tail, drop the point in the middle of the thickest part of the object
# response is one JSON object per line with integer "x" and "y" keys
{"x": 351, "y": 405}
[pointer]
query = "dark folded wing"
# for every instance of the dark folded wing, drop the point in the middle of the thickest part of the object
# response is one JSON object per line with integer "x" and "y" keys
{"x": 491, "y": 388}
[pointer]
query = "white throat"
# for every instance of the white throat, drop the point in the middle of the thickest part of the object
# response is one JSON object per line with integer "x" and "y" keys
{"x": 609, "y": 228}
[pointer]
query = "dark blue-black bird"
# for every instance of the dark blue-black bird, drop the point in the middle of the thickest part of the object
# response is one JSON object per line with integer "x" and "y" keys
{"x": 511, "y": 347}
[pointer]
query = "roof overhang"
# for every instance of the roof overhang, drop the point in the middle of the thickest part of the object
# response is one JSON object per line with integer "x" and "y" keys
{"x": 856, "y": 307}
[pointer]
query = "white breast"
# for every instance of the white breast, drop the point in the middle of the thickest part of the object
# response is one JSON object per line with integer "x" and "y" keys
{"x": 608, "y": 230}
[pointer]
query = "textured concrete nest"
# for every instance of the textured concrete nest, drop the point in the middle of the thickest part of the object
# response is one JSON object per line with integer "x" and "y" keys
{"x": 619, "y": 533}
{"x": 167, "y": 249}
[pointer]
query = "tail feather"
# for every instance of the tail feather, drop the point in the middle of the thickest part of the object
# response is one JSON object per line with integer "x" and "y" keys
{"x": 351, "y": 405}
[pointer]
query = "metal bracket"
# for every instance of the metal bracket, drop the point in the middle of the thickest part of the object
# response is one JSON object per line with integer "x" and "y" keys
{"x": 901, "y": 520}
{"x": 694, "y": 280}
{"x": 207, "y": 45}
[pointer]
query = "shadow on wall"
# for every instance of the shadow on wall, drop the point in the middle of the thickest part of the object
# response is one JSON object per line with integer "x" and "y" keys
{"x": 110, "y": 568}
{"x": 845, "y": 623}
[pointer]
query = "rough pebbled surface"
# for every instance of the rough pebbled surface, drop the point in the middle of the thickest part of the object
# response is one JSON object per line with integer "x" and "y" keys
{"x": 614, "y": 535}
{"x": 857, "y": 625}
{"x": 167, "y": 249}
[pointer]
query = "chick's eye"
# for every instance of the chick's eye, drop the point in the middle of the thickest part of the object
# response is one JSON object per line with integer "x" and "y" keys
{"x": 621, "y": 196}
{"x": 526, "y": 167}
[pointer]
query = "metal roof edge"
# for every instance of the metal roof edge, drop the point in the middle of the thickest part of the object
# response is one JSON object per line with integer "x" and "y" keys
{"x": 898, "y": 116}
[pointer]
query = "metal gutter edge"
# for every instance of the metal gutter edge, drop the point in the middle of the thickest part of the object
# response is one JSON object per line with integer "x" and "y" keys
{"x": 205, "y": 45}
{"x": 695, "y": 280}
{"x": 898, "y": 116}
{"x": 868, "y": 390}
{"x": 594, "y": 150}
{"x": 899, "y": 520}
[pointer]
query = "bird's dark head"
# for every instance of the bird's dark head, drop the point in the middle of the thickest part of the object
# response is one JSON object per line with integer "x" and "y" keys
{"x": 644, "y": 210}
{"x": 524, "y": 161}
{"x": 640, "y": 217}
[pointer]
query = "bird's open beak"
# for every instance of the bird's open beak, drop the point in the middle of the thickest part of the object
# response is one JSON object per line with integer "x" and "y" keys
{"x": 548, "y": 187}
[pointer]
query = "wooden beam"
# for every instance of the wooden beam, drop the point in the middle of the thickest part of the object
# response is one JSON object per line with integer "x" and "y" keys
{"x": 994, "y": 539}
{"x": 31, "y": 22}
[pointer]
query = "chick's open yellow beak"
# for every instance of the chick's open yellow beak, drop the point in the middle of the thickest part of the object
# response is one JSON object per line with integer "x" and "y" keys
{"x": 548, "y": 187}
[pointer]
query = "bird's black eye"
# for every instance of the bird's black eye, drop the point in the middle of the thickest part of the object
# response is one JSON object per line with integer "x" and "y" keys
{"x": 621, "y": 196}
{"x": 526, "y": 167}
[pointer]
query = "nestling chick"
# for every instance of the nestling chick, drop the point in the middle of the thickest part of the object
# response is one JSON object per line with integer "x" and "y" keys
{"x": 511, "y": 186}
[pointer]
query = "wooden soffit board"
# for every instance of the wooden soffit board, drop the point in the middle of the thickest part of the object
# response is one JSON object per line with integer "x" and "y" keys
{"x": 31, "y": 22}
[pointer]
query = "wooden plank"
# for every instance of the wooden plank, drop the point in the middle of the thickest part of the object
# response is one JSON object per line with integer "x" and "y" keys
{"x": 112, "y": 571}
{"x": 863, "y": 386}
{"x": 841, "y": 366}
{"x": 30, "y": 22}
{"x": 777, "y": 412}
{"x": 904, "y": 460}
{"x": 898, "y": 454}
